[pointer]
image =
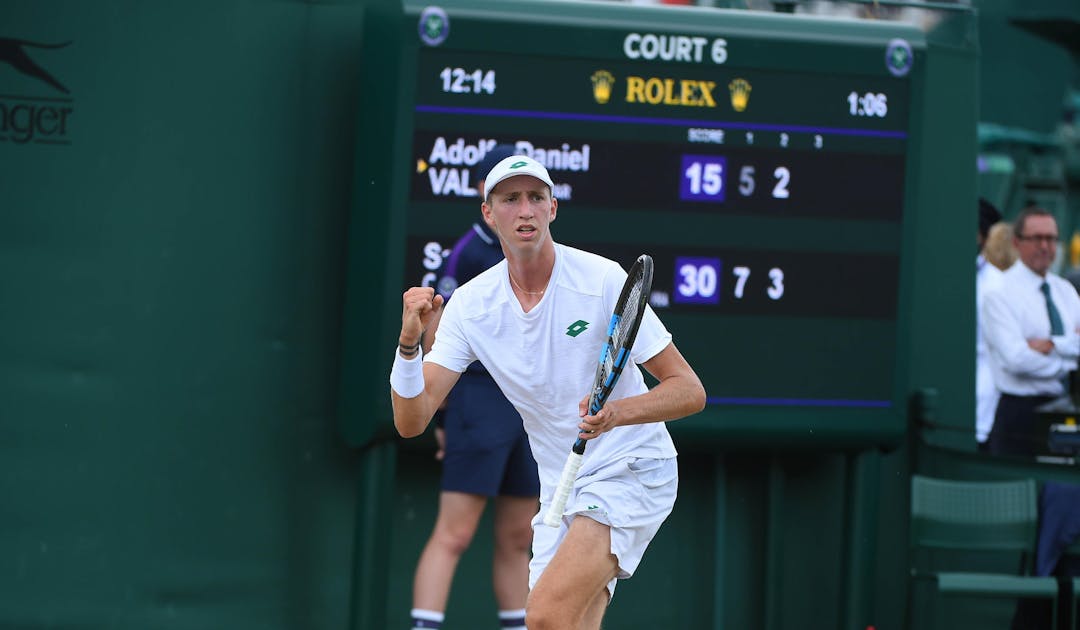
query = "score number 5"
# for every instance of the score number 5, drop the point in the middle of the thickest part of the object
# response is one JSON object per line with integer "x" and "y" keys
{"x": 703, "y": 179}
{"x": 780, "y": 190}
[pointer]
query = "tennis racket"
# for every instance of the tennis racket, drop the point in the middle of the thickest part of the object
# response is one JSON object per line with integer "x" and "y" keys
{"x": 614, "y": 355}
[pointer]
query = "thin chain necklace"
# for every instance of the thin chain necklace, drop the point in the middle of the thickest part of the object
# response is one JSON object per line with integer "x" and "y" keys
{"x": 521, "y": 288}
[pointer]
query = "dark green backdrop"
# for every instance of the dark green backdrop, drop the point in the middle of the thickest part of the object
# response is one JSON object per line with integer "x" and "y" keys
{"x": 172, "y": 271}
{"x": 170, "y": 300}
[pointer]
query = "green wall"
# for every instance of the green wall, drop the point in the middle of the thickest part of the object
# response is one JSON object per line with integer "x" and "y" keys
{"x": 170, "y": 284}
{"x": 1023, "y": 78}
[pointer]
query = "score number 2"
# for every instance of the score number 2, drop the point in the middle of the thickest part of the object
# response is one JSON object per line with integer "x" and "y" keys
{"x": 703, "y": 179}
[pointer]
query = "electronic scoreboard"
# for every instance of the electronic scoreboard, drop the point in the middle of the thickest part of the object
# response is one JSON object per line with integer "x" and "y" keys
{"x": 763, "y": 160}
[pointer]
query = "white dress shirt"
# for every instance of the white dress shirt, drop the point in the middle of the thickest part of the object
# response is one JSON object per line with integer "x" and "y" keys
{"x": 1014, "y": 312}
{"x": 987, "y": 278}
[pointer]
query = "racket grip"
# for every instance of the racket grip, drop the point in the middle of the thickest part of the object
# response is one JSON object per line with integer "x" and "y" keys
{"x": 562, "y": 493}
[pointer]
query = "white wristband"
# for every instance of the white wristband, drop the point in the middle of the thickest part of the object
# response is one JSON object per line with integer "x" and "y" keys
{"x": 407, "y": 375}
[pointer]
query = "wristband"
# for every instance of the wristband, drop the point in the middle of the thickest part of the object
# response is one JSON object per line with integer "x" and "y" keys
{"x": 407, "y": 375}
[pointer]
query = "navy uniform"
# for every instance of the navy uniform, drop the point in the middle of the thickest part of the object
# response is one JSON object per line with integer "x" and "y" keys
{"x": 487, "y": 451}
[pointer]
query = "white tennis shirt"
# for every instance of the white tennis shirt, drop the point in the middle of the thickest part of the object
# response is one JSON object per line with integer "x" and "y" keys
{"x": 545, "y": 360}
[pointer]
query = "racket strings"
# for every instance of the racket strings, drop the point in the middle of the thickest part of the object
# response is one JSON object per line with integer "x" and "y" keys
{"x": 628, "y": 315}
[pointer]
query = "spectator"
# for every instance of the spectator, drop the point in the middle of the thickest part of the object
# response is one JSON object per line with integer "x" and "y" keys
{"x": 987, "y": 276}
{"x": 998, "y": 249}
{"x": 1030, "y": 324}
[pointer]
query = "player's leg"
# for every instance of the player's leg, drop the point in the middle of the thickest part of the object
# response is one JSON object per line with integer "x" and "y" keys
{"x": 459, "y": 514}
{"x": 595, "y": 613}
{"x": 469, "y": 477}
{"x": 518, "y": 502}
{"x": 572, "y": 590}
{"x": 510, "y": 558}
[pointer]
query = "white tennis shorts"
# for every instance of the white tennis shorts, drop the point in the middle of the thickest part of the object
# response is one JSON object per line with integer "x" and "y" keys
{"x": 633, "y": 496}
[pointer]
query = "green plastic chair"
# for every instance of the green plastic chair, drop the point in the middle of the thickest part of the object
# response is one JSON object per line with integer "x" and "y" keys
{"x": 978, "y": 516}
{"x": 1074, "y": 550}
{"x": 1076, "y": 603}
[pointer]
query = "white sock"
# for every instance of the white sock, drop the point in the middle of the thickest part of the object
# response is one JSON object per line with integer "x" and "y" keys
{"x": 427, "y": 618}
{"x": 512, "y": 619}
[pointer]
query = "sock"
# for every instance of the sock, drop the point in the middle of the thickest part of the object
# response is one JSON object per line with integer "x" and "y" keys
{"x": 512, "y": 619}
{"x": 429, "y": 618}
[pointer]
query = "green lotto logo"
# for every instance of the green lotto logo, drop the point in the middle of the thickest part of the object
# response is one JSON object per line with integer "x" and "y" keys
{"x": 577, "y": 328}
{"x": 518, "y": 164}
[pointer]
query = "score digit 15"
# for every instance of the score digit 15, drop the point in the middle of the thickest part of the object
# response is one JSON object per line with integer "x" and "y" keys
{"x": 703, "y": 179}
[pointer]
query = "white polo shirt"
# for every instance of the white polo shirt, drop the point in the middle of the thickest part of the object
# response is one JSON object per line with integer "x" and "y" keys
{"x": 545, "y": 360}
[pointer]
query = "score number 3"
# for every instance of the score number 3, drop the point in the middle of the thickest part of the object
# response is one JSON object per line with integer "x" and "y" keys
{"x": 697, "y": 281}
{"x": 775, "y": 290}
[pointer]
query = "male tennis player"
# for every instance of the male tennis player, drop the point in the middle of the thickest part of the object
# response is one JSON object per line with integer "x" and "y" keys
{"x": 537, "y": 321}
{"x": 498, "y": 469}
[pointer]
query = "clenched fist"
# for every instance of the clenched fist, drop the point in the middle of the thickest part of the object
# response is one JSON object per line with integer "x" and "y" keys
{"x": 421, "y": 309}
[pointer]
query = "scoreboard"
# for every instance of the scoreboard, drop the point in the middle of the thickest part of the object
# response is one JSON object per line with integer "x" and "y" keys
{"x": 765, "y": 161}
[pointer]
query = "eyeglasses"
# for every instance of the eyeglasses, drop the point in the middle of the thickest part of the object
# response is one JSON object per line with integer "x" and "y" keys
{"x": 1049, "y": 239}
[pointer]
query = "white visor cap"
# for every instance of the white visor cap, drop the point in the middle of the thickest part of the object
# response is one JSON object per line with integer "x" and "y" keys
{"x": 512, "y": 167}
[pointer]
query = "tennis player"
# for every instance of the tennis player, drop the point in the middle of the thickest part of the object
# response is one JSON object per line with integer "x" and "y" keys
{"x": 498, "y": 467}
{"x": 537, "y": 321}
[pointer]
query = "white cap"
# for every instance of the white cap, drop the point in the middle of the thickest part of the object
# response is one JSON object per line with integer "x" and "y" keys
{"x": 513, "y": 166}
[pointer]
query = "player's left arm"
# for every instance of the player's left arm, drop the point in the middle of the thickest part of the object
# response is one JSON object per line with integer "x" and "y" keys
{"x": 679, "y": 393}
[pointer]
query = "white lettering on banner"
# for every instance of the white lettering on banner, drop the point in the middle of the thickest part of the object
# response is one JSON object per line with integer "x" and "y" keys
{"x": 684, "y": 48}
{"x": 454, "y": 179}
{"x": 561, "y": 159}
{"x": 458, "y": 153}
{"x": 433, "y": 256}
{"x": 450, "y": 181}
{"x": 715, "y": 136}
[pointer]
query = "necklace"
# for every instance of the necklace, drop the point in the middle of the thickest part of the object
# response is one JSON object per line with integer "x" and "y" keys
{"x": 521, "y": 288}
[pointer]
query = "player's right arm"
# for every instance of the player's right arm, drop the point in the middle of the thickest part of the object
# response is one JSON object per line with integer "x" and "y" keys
{"x": 420, "y": 314}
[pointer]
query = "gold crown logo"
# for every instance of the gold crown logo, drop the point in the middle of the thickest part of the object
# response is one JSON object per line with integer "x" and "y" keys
{"x": 740, "y": 94}
{"x": 602, "y": 81}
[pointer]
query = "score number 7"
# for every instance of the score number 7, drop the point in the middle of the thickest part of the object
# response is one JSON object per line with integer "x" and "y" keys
{"x": 775, "y": 290}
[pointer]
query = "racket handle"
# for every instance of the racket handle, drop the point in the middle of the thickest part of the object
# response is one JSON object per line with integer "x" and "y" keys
{"x": 562, "y": 493}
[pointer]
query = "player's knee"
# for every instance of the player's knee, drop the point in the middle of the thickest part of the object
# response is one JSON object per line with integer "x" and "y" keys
{"x": 545, "y": 609}
{"x": 516, "y": 539}
{"x": 543, "y": 616}
{"x": 454, "y": 540}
